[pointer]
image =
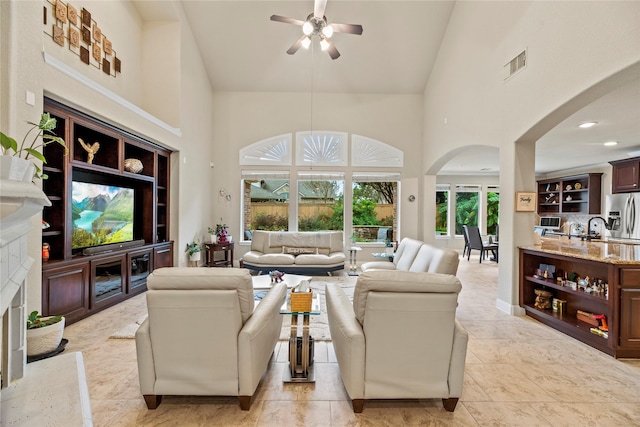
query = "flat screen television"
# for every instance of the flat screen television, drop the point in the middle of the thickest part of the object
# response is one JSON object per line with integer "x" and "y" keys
{"x": 100, "y": 214}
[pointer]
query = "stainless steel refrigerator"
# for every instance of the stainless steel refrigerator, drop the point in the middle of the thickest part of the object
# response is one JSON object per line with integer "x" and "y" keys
{"x": 623, "y": 215}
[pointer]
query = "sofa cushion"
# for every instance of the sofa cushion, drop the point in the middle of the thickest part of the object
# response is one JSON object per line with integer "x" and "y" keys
{"x": 400, "y": 281}
{"x": 332, "y": 259}
{"x": 181, "y": 278}
{"x": 253, "y": 257}
{"x": 406, "y": 253}
{"x": 298, "y": 251}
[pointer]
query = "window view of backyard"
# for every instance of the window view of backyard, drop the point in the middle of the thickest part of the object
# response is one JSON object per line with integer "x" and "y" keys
{"x": 374, "y": 211}
{"x": 320, "y": 205}
{"x": 442, "y": 212}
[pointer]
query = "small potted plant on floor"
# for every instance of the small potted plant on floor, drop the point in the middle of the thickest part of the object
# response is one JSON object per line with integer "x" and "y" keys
{"x": 193, "y": 249}
{"x": 16, "y": 162}
{"x": 44, "y": 334}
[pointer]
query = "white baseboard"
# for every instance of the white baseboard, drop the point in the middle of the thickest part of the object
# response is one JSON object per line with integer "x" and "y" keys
{"x": 513, "y": 310}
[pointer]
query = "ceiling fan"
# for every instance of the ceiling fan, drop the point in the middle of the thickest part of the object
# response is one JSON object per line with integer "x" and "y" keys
{"x": 316, "y": 25}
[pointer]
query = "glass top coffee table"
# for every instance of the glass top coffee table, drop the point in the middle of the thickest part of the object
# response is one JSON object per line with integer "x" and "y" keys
{"x": 263, "y": 281}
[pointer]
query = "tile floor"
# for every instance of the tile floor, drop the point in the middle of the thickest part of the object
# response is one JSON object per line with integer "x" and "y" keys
{"x": 518, "y": 373}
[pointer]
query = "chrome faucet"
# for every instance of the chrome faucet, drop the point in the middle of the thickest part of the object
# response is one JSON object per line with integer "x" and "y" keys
{"x": 595, "y": 235}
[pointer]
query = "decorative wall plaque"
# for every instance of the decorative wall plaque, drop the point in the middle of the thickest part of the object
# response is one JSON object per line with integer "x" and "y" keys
{"x": 85, "y": 36}
{"x": 106, "y": 45}
{"x": 86, "y": 17}
{"x": 84, "y": 55}
{"x": 72, "y": 14}
{"x": 97, "y": 33}
{"x": 97, "y": 52}
{"x": 106, "y": 66}
{"x": 74, "y": 37}
{"x": 61, "y": 12}
{"x": 58, "y": 35}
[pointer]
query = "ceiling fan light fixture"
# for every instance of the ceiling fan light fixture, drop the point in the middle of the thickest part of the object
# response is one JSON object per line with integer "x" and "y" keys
{"x": 307, "y": 28}
{"x": 327, "y": 31}
{"x": 306, "y": 42}
{"x": 324, "y": 44}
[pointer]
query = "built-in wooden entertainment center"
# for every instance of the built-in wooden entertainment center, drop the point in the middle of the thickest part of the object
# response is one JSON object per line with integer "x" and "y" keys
{"x": 78, "y": 285}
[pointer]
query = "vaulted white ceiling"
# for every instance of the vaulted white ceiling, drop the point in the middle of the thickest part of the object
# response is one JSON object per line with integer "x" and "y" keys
{"x": 244, "y": 51}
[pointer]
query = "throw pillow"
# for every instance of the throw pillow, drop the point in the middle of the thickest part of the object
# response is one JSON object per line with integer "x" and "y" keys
{"x": 298, "y": 251}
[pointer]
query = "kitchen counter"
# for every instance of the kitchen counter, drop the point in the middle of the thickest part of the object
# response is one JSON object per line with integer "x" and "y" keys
{"x": 601, "y": 250}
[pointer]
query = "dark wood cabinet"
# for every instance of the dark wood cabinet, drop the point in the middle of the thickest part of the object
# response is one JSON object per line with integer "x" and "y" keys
{"x": 625, "y": 176}
{"x": 163, "y": 256}
{"x": 76, "y": 283}
{"x": 65, "y": 291}
{"x": 621, "y": 305}
{"x": 578, "y": 194}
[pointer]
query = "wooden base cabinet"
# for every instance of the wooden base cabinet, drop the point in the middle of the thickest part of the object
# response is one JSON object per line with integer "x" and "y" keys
{"x": 621, "y": 306}
{"x": 85, "y": 285}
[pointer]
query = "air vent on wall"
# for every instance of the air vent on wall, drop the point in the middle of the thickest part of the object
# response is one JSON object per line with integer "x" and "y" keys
{"x": 515, "y": 65}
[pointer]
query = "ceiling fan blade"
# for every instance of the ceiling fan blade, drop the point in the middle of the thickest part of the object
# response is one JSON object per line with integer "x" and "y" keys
{"x": 347, "y": 28}
{"x": 286, "y": 20}
{"x": 332, "y": 51}
{"x": 318, "y": 8}
{"x": 294, "y": 47}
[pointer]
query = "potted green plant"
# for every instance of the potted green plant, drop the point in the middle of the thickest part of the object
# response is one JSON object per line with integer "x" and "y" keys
{"x": 17, "y": 161}
{"x": 44, "y": 334}
{"x": 212, "y": 234}
{"x": 193, "y": 249}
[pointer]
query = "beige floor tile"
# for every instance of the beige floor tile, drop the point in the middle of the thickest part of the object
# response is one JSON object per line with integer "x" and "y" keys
{"x": 507, "y": 414}
{"x": 518, "y": 373}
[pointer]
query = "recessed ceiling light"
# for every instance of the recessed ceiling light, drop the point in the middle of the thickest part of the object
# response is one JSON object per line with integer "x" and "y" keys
{"x": 586, "y": 125}
{"x": 610, "y": 143}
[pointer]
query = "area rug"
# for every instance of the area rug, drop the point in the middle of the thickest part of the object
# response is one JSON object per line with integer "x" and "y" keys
{"x": 318, "y": 325}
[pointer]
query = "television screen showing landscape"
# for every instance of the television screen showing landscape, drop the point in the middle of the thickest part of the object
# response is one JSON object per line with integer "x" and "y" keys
{"x": 101, "y": 214}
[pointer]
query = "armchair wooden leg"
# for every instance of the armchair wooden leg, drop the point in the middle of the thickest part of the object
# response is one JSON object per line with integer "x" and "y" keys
{"x": 245, "y": 402}
{"x": 450, "y": 404}
{"x": 358, "y": 405}
{"x": 152, "y": 400}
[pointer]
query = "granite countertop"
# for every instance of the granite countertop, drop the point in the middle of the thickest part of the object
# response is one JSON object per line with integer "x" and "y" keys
{"x": 601, "y": 251}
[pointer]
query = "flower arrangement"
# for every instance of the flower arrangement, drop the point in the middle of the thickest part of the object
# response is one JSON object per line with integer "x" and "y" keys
{"x": 222, "y": 230}
{"x": 45, "y": 135}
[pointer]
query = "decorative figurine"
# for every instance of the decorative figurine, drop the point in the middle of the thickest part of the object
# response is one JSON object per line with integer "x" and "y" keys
{"x": 276, "y": 276}
{"x": 543, "y": 299}
{"x": 90, "y": 149}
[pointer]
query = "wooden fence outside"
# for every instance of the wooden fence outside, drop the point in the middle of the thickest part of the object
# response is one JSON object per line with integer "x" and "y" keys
{"x": 308, "y": 210}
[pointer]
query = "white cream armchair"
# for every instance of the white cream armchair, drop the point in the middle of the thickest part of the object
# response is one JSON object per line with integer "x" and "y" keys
{"x": 399, "y": 339}
{"x": 203, "y": 337}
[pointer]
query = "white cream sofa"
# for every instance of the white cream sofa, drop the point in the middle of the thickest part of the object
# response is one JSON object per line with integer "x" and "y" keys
{"x": 417, "y": 256}
{"x": 203, "y": 336}
{"x": 399, "y": 339}
{"x": 312, "y": 252}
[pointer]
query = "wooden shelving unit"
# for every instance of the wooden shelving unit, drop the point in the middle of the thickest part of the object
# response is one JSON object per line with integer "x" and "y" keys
{"x": 623, "y": 320}
{"x": 571, "y": 194}
{"x": 72, "y": 282}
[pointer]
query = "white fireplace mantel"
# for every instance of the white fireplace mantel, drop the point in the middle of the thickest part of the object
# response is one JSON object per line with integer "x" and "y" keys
{"x": 19, "y": 201}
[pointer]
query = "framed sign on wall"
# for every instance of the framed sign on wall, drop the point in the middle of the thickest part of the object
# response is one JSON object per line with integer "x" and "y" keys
{"x": 525, "y": 201}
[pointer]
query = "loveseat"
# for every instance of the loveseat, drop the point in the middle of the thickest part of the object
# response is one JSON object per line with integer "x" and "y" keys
{"x": 312, "y": 252}
{"x": 417, "y": 256}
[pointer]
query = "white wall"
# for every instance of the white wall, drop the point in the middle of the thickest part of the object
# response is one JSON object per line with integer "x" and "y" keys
{"x": 240, "y": 119}
{"x": 23, "y": 69}
{"x": 571, "y": 47}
